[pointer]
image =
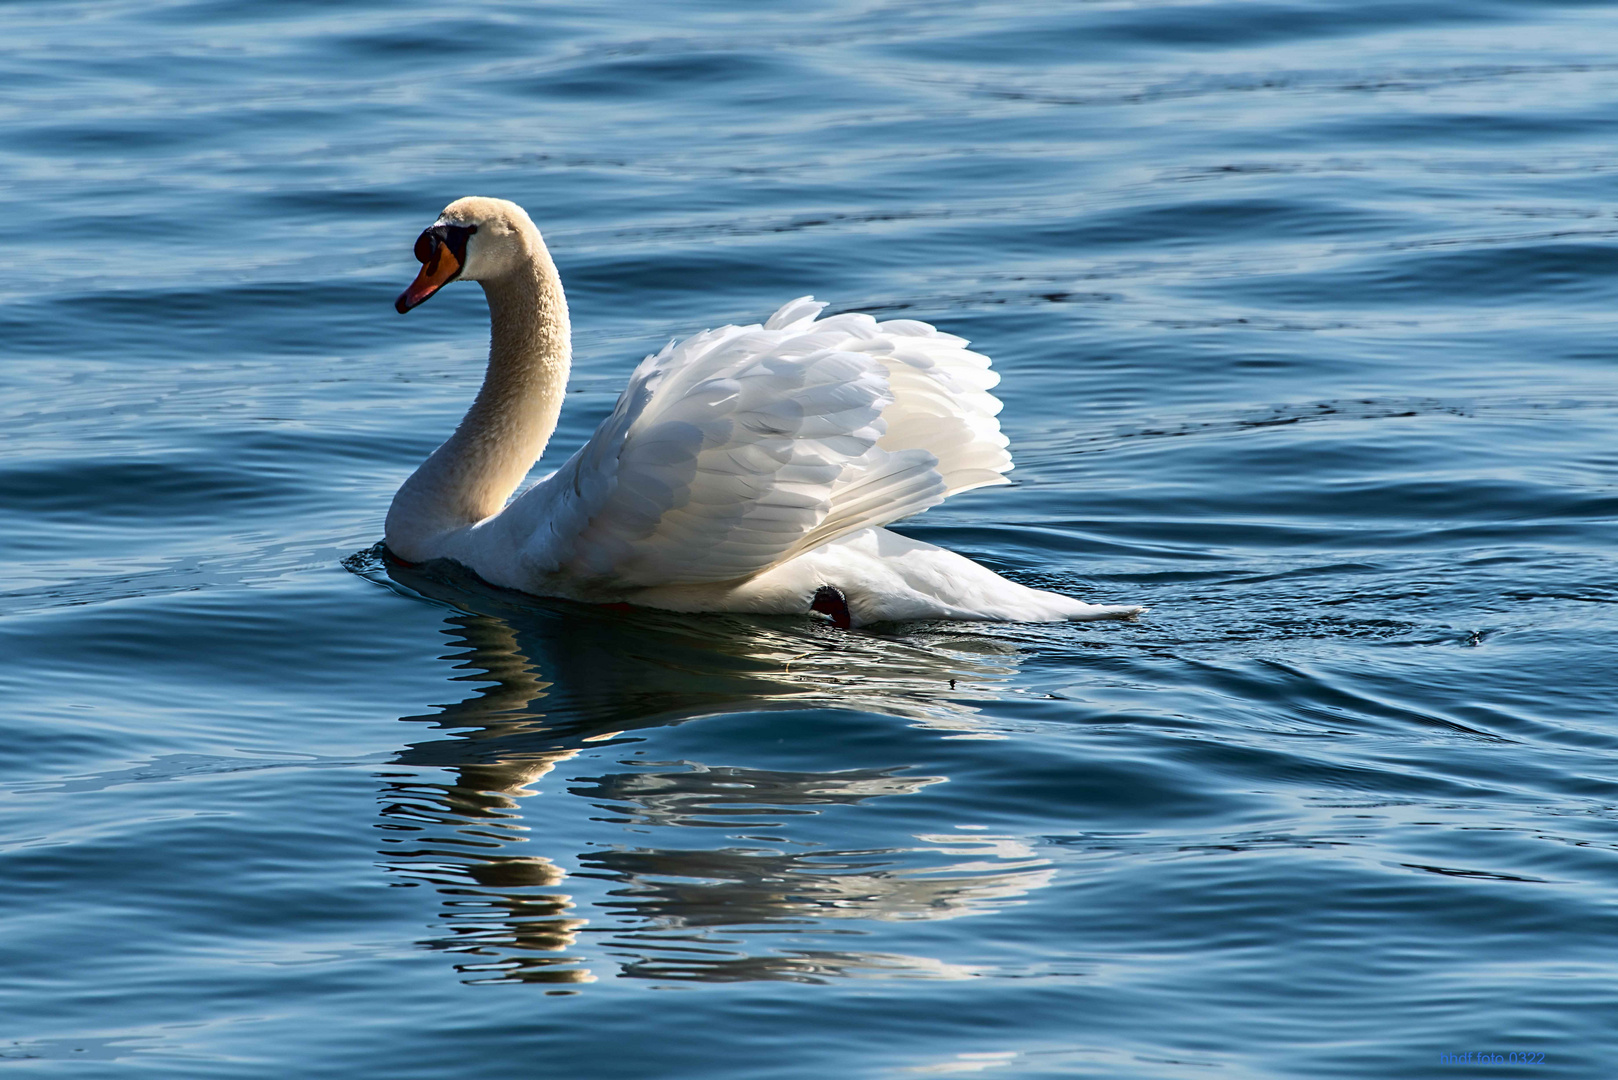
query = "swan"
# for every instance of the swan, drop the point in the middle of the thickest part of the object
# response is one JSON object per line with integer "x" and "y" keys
{"x": 745, "y": 469}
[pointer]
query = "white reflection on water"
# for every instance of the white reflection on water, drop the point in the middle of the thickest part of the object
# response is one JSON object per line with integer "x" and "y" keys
{"x": 720, "y": 902}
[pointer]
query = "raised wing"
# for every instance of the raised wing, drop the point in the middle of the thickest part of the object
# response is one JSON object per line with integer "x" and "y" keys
{"x": 742, "y": 447}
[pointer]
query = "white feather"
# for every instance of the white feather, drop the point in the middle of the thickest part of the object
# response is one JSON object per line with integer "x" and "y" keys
{"x": 742, "y": 447}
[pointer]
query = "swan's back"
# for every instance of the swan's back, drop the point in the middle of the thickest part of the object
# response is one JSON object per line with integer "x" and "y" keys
{"x": 740, "y": 448}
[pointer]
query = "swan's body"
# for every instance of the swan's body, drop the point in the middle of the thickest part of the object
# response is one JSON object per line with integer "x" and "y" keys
{"x": 742, "y": 470}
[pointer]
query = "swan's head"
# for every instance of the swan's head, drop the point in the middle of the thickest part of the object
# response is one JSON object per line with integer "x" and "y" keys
{"x": 474, "y": 239}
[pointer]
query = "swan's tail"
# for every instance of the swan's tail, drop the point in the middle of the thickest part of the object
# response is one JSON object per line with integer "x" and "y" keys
{"x": 1082, "y": 612}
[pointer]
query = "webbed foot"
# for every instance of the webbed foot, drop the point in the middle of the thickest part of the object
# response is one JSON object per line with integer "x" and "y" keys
{"x": 833, "y": 604}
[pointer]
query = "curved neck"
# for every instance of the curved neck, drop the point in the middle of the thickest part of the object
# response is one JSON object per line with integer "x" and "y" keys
{"x": 475, "y": 471}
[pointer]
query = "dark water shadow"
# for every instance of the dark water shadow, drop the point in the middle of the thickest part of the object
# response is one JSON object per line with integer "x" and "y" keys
{"x": 547, "y": 679}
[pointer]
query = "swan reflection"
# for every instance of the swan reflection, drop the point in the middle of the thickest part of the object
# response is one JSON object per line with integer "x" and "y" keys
{"x": 695, "y": 871}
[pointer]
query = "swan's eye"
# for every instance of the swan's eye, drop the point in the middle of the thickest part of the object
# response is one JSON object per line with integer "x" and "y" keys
{"x": 450, "y": 236}
{"x": 454, "y": 237}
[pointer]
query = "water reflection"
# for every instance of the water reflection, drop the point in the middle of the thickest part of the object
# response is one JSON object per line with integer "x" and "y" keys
{"x": 694, "y": 871}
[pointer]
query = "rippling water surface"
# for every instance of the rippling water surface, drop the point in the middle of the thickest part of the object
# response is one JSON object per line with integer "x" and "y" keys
{"x": 1305, "y": 313}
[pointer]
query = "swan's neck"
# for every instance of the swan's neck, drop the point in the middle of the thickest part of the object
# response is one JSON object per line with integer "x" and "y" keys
{"x": 475, "y": 471}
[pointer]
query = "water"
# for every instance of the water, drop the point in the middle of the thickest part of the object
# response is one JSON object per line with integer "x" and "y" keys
{"x": 1305, "y": 318}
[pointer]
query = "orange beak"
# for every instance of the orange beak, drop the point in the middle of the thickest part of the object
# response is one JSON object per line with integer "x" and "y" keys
{"x": 436, "y": 272}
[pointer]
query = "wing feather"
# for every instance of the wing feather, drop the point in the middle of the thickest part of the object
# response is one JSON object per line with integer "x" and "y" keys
{"x": 745, "y": 446}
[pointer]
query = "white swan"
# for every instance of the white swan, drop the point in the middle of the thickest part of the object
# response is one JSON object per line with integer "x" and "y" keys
{"x": 747, "y": 469}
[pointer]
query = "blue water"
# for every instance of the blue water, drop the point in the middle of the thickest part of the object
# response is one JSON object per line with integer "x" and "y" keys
{"x": 1305, "y": 313}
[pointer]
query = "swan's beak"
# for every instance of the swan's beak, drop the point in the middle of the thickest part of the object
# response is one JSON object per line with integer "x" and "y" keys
{"x": 436, "y": 272}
